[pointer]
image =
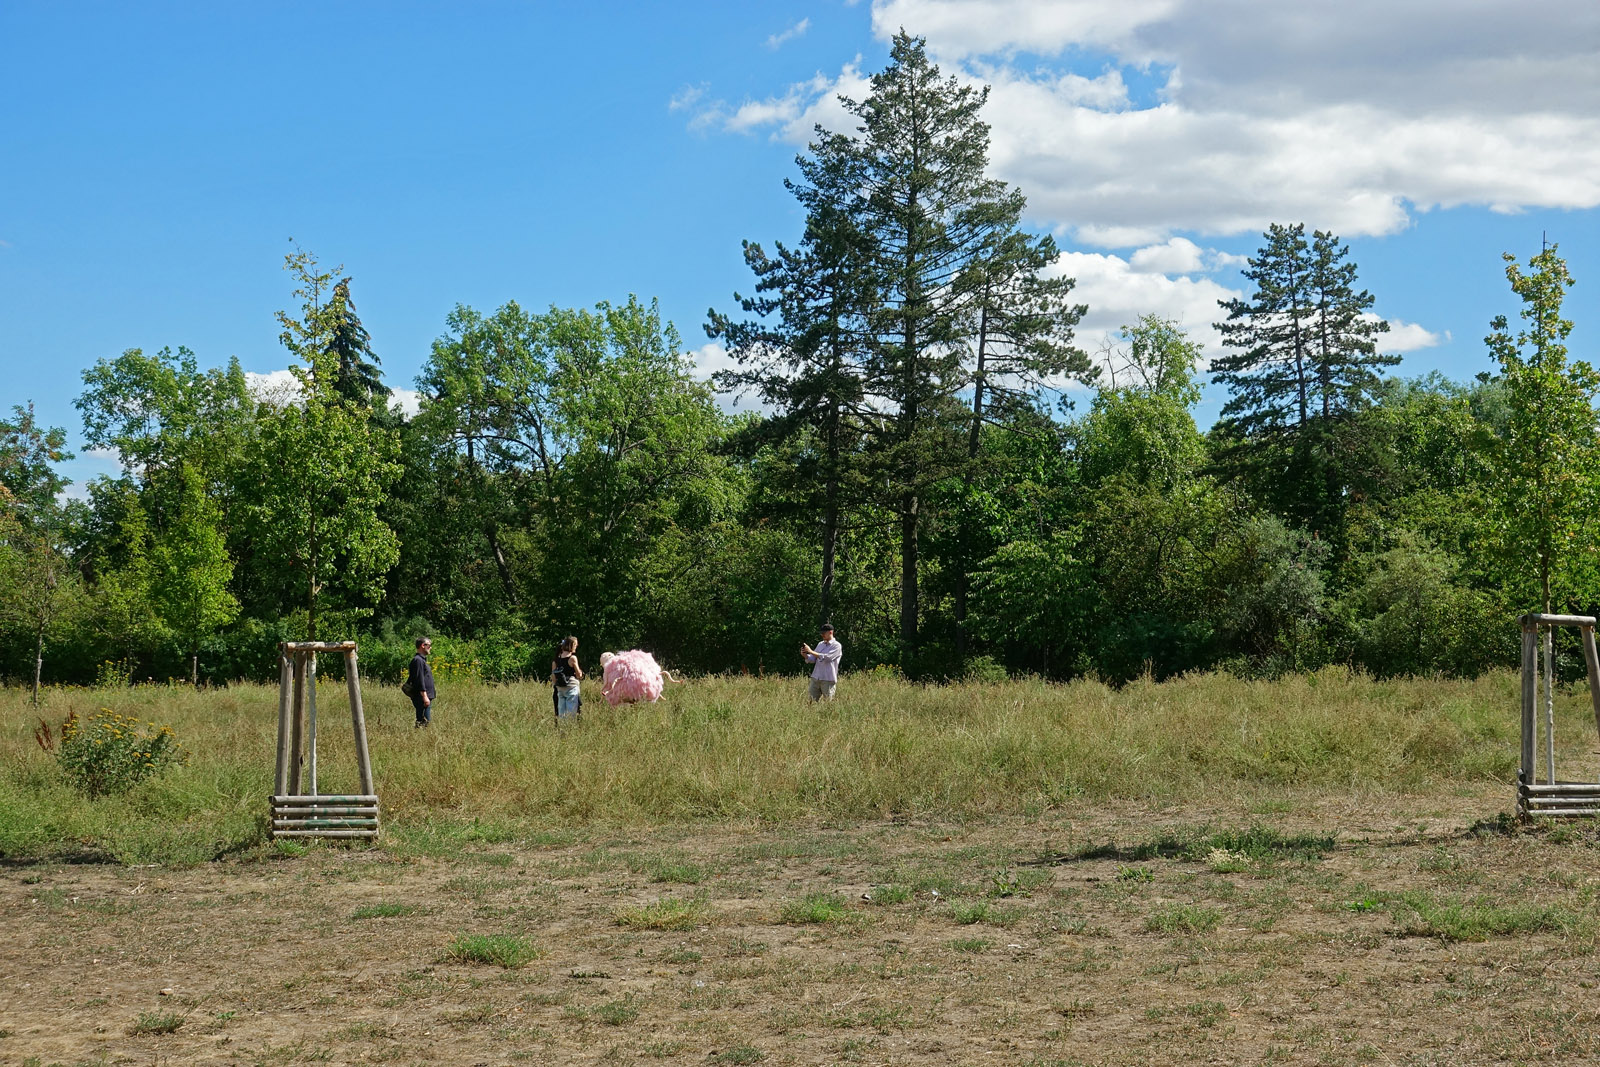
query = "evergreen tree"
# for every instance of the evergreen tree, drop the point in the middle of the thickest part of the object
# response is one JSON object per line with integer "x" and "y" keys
{"x": 914, "y": 283}
{"x": 803, "y": 355}
{"x": 1304, "y": 360}
{"x": 357, "y": 377}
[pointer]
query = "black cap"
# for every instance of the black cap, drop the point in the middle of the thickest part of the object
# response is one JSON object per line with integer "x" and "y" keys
{"x": 825, "y": 627}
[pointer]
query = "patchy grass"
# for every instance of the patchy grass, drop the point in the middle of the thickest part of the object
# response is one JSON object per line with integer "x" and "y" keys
{"x": 669, "y": 913}
{"x": 501, "y": 950}
{"x": 1182, "y": 919}
{"x": 1419, "y": 914}
{"x": 157, "y": 1022}
{"x": 384, "y": 911}
{"x": 816, "y": 908}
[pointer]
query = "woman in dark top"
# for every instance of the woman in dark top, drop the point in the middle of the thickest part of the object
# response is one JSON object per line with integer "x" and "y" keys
{"x": 565, "y": 674}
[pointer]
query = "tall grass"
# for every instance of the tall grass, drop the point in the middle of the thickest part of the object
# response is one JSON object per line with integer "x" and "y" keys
{"x": 748, "y": 747}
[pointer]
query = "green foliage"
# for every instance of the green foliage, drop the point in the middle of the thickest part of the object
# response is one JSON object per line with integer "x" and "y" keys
{"x": 109, "y": 753}
{"x": 1547, "y": 457}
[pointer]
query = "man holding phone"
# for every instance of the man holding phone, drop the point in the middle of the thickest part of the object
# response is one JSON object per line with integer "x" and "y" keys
{"x": 826, "y": 656}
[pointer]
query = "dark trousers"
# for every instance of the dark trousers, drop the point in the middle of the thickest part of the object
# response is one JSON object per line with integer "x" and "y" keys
{"x": 424, "y": 711}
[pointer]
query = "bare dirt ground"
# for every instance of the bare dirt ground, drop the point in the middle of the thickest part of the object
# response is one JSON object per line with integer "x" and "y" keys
{"x": 1417, "y": 935}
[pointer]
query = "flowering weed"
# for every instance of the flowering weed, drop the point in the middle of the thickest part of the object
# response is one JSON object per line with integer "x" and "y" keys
{"x": 108, "y": 753}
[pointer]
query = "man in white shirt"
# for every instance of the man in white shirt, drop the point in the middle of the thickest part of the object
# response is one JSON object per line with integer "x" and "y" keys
{"x": 825, "y": 675}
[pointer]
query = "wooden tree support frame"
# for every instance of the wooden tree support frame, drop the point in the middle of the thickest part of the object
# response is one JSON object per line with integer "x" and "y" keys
{"x": 309, "y": 814}
{"x": 1552, "y": 797}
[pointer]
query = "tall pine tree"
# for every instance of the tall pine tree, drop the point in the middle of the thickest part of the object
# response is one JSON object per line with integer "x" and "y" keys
{"x": 1304, "y": 360}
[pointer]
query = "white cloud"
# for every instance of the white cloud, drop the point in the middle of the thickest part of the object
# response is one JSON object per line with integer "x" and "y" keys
{"x": 1119, "y": 291}
{"x": 778, "y": 40}
{"x": 1348, "y": 116}
{"x": 686, "y": 97}
{"x": 1409, "y": 337}
{"x": 1178, "y": 256}
{"x": 407, "y": 401}
{"x": 792, "y": 116}
{"x": 710, "y": 358}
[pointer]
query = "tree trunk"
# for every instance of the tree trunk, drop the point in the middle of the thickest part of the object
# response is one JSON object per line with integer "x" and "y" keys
{"x": 963, "y": 546}
{"x": 908, "y": 575}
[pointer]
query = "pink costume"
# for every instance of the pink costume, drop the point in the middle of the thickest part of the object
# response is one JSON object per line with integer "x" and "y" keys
{"x": 630, "y": 677}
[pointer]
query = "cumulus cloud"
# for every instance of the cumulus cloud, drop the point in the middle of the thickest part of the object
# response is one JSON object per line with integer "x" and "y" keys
{"x": 407, "y": 401}
{"x": 712, "y": 357}
{"x": 1119, "y": 291}
{"x": 1348, "y": 116}
{"x": 778, "y": 40}
{"x": 1409, "y": 337}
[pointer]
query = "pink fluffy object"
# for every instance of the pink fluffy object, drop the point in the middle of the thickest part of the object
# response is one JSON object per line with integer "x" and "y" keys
{"x": 631, "y": 676}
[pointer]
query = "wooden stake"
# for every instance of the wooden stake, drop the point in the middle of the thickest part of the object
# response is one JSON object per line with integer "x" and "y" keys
{"x": 311, "y": 715}
{"x": 358, "y": 720}
{"x": 299, "y": 719}
{"x": 1592, "y": 659}
{"x": 285, "y": 699}
{"x": 1530, "y": 683}
{"x": 1549, "y": 704}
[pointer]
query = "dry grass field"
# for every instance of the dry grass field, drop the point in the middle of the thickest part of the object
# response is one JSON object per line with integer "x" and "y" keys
{"x": 1317, "y": 870}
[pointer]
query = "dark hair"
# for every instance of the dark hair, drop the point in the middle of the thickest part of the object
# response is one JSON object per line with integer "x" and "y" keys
{"x": 424, "y": 641}
{"x": 567, "y": 643}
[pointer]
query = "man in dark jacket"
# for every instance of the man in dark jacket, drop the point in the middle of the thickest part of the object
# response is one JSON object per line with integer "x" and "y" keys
{"x": 419, "y": 682}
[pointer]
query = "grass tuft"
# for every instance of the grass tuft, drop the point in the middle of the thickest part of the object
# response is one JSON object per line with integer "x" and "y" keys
{"x": 816, "y": 908}
{"x": 157, "y": 1022}
{"x": 502, "y": 950}
{"x": 1182, "y": 919}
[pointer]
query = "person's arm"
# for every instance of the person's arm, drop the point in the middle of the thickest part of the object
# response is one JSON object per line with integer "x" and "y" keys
{"x": 831, "y": 655}
{"x": 577, "y": 671}
{"x": 806, "y": 653}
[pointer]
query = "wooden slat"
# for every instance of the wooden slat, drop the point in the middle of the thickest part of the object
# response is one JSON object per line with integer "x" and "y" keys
{"x": 326, "y": 798}
{"x": 324, "y": 813}
{"x": 318, "y": 646}
{"x": 1536, "y": 619}
{"x": 325, "y": 833}
{"x": 1564, "y": 788}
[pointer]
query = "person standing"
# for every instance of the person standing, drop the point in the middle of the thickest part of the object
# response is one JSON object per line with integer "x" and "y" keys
{"x": 419, "y": 683}
{"x": 826, "y": 656}
{"x": 565, "y": 674}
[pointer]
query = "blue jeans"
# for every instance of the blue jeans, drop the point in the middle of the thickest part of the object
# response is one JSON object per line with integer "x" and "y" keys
{"x": 424, "y": 711}
{"x": 568, "y": 703}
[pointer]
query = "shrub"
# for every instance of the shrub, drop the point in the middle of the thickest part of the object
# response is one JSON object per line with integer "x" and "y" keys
{"x": 108, "y": 753}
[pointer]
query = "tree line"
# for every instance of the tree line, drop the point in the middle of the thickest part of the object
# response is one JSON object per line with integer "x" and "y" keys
{"x": 936, "y": 465}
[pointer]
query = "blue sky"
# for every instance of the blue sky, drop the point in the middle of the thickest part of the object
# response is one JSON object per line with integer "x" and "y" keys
{"x": 155, "y": 160}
